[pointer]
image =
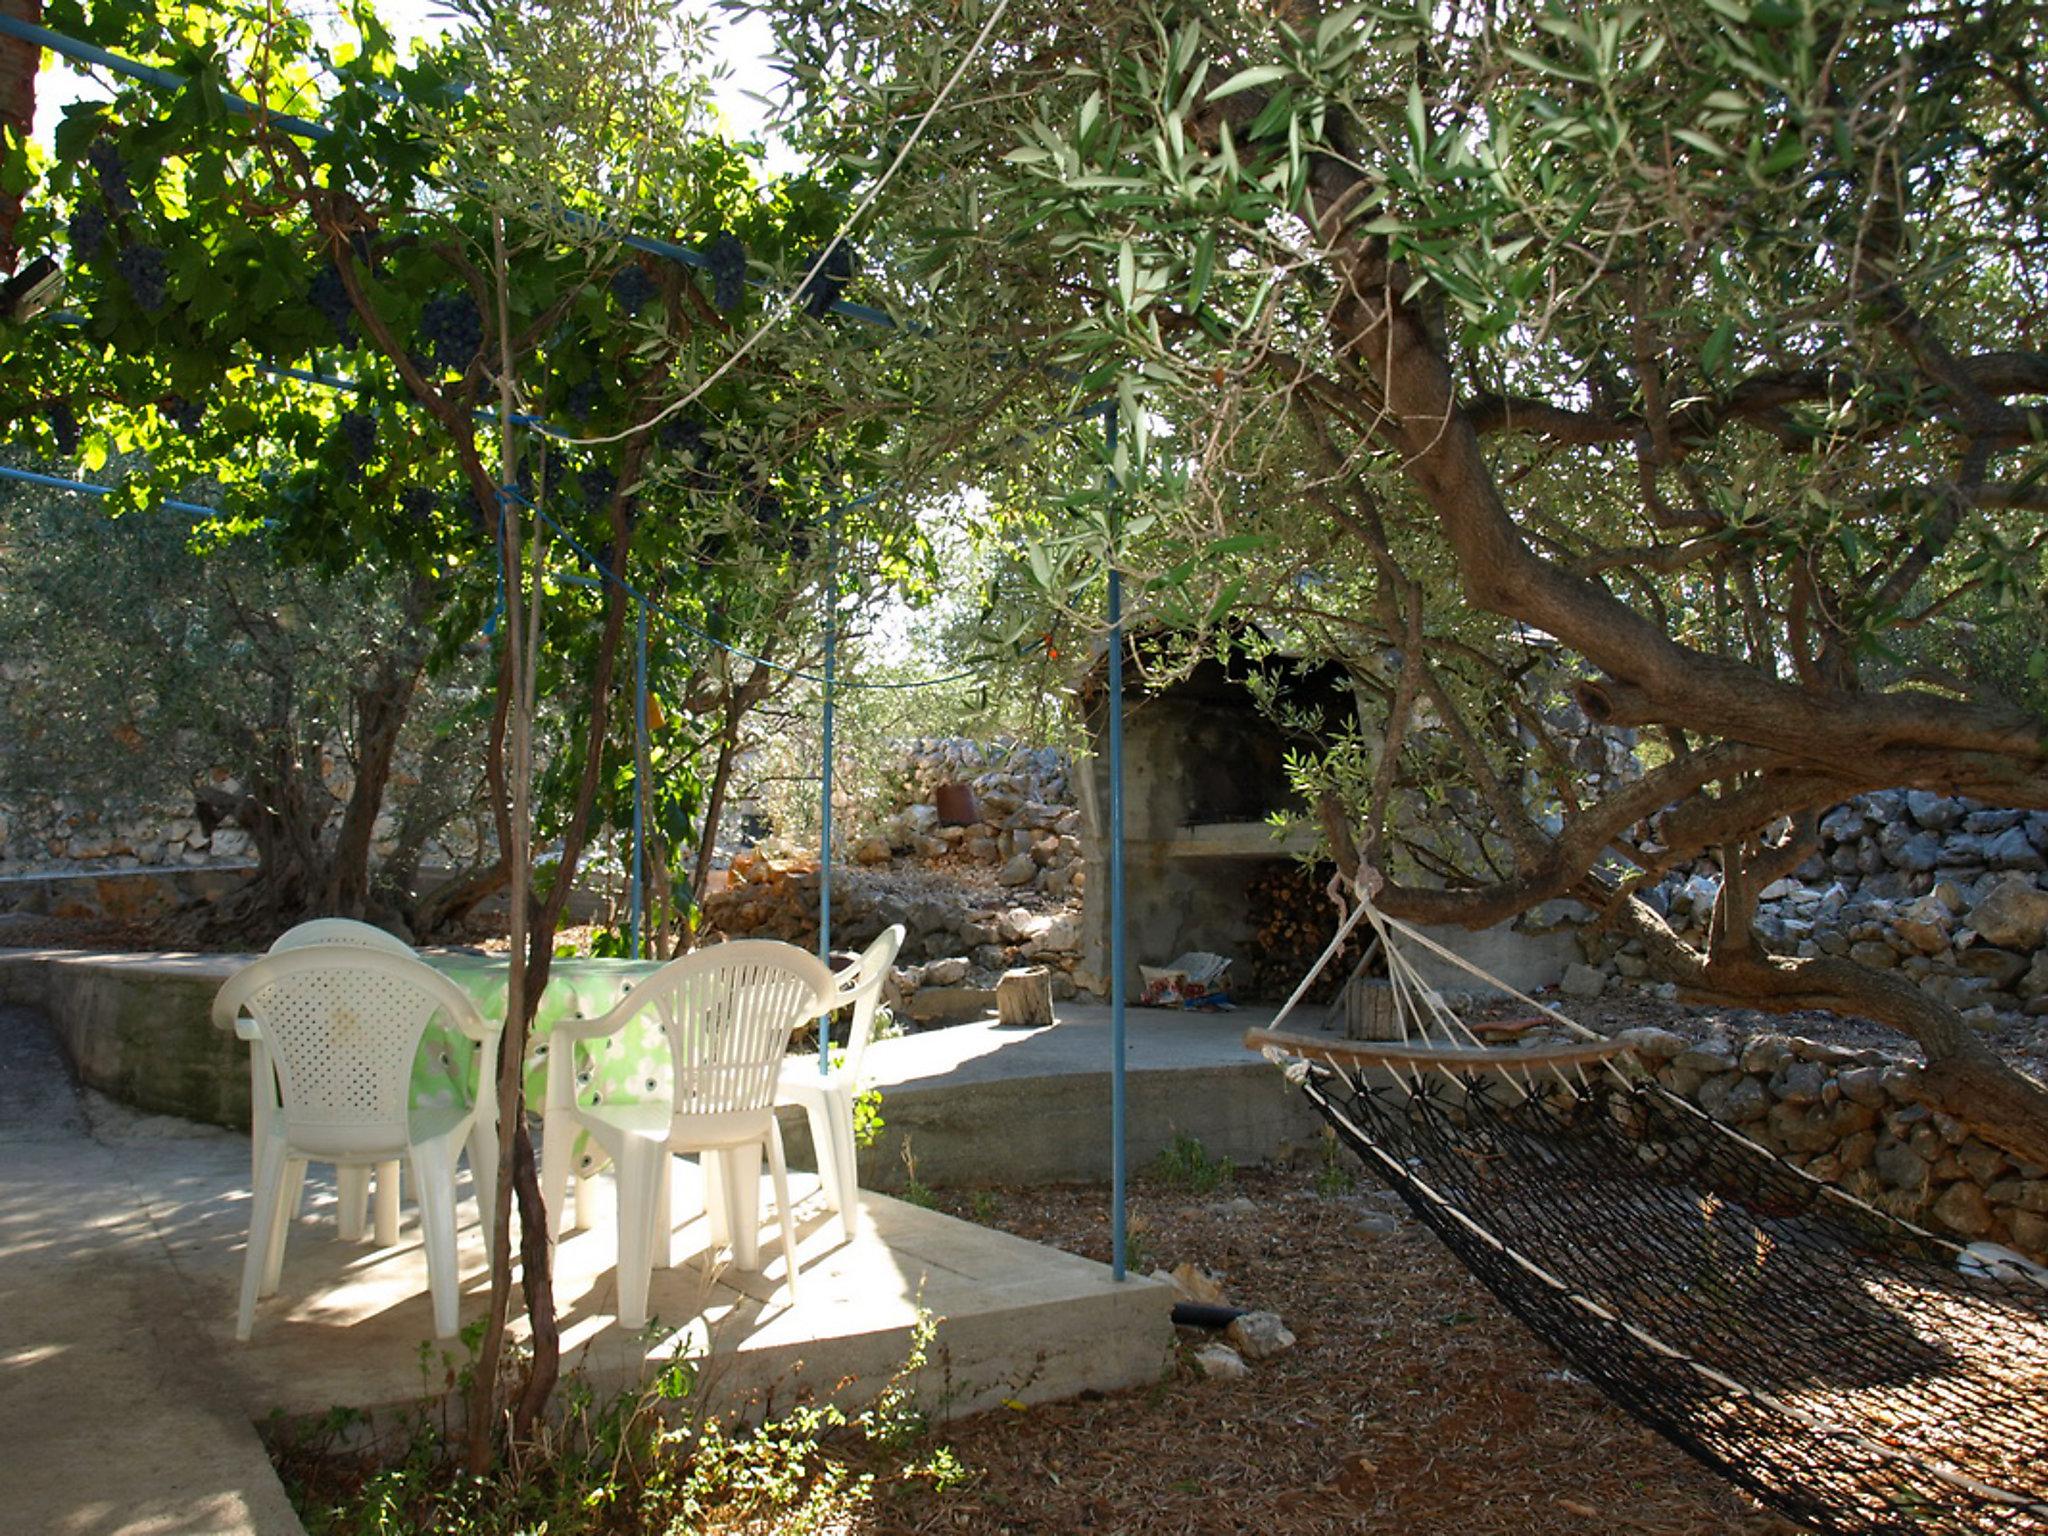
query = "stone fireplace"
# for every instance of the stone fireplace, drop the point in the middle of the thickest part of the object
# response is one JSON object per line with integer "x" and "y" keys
{"x": 1204, "y": 767}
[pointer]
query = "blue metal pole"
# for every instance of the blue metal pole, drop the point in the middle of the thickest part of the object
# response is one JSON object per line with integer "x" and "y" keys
{"x": 639, "y": 888}
{"x": 1117, "y": 1169}
{"x": 87, "y": 488}
{"x": 825, "y": 771}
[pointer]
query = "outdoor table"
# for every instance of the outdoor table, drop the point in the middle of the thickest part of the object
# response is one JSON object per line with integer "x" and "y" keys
{"x": 632, "y": 1066}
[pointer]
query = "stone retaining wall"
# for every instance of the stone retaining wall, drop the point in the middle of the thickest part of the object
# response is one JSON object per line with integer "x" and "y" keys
{"x": 1944, "y": 890}
{"x": 1849, "y": 1117}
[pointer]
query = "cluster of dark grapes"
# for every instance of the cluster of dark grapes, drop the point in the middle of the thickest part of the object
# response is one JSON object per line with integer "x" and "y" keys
{"x": 598, "y": 483}
{"x": 632, "y": 288}
{"x": 582, "y": 399}
{"x": 329, "y": 297}
{"x": 184, "y": 414}
{"x": 727, "y": 260}
{"x": 452, "y": 329}
{"x": 112, "y": 173}
{"x": 147, "y": 273}
{"x": 88, "y": 231}
{"x": 680, "y": 433}
{"x": 358, "y": 437}
{"x": 828, "y": 282}
{"x": 63, "y": 424}
{"x": 417, "y": 503}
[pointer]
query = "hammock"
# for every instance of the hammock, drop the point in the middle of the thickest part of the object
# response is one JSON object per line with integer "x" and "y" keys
{"x": 1832, "y": 1360}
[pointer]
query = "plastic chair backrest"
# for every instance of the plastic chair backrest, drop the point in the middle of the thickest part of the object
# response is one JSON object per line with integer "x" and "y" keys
{"x": 728, "y": 1012}
{"x": 864, "y": 991}
{"x": 342, "y": 1024}
{"x": 339, "y": 930}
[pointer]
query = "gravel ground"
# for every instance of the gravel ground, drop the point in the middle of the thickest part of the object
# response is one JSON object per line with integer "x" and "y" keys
{"x": 1411, "y": 1402}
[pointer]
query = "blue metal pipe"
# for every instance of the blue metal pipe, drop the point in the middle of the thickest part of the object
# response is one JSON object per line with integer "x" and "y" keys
{"x": 825, "y": 777}
{"x": 639, "y": 882}
{"x": 1117, "y": 1170}
{"x": 87, "y": 488}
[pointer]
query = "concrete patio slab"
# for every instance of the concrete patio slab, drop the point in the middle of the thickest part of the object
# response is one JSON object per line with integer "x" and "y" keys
{"x": 127, "y": 1407}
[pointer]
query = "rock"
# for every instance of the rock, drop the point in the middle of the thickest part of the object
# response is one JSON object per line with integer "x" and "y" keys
{"x": 2029, "y": 1234}
{"x": 1259, "y": 1335}
{"x": 1925, "y": 926}
{"x": 2034, "y": 985}
{"x": 1844, "y": 823}
{"x": 2012, "y": 915}
{"x": 2001, "y": 967}
{"x": 1962, "y": 1208}
{"x": 1193, "y": 1283}
{"x": 1919, "y": 853}
{"x": 1766, "y": 1053}
{"x": 1992, "y": 821}
{"x": 1744, "y": 1102}
{"x": 1582, "y": 981}
{"x": 1864, "y": 1085}
{"x": 1022, "y": 869}
{"x": 1935, "y": 812}
{"x": 1898, "y": 1165}
{"x": 1707, "y": 1058}
{"x": 1874, "y": 953}
{"x": 872, "y": 850}
{"x": 1221, "y": 1362}
{"x": 1654, "y": 1045}
{"x": 2010, "y": 849}
{"x": 1799, "y": 1083}
{"x": 949, "y": 972}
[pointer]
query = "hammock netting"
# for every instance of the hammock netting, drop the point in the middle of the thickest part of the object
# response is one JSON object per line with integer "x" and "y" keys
{"x": 1831, "y": 1360}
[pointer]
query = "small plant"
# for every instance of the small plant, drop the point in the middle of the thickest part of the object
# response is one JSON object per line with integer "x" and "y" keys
{"x": 868, "y": 1124}
{"x": 984, "y": 1206}
{"x": 914, "y": 1190}
{"x": 1334, "y": 1178}
{"x": 1186, "y": 1164}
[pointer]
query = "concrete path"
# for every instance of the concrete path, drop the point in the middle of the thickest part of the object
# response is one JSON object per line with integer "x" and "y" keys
{"x": 113, "y": 1419}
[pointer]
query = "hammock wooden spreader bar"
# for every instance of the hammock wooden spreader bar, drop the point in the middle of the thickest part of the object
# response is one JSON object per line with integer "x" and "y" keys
{"x": 1409, "y": 1053}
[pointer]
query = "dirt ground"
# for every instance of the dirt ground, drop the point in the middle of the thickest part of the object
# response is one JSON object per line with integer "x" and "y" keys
{"x": 1411, "y": 1403}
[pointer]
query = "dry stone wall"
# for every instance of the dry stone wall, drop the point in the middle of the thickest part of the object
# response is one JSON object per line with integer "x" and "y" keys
{"x": 975, "y": 899}
{"x": 1943, "y": 890}
{"x": 1850, "y": 1117}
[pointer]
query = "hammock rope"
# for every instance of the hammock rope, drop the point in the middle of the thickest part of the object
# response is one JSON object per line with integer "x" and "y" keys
{"x": 1829, "y": 1358}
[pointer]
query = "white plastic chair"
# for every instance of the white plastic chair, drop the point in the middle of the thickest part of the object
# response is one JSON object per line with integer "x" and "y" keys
{"x": 728, "y": 1012}
{"x": 827, "y": 1097}
{"x": 339, "y": 1025}
{"x": 352, "y": 1185}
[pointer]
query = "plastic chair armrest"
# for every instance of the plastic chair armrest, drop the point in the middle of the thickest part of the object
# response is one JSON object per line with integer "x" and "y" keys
{"x": 248, "y": 1029}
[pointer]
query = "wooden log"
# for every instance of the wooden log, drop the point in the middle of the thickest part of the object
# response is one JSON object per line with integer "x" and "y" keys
{"x": 1577, "y": 1053}
{"x": 1024, "y": 997}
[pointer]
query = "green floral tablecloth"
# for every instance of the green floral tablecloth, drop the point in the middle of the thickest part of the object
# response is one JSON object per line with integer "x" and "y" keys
{"x": 629, "y": 1067}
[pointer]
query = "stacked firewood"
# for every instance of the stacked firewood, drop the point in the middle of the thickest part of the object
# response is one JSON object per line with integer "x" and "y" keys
{"x": 1293, "y": 921}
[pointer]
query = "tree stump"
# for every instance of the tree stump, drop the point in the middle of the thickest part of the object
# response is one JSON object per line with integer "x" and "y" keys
{"x": 1369, "y": 1010}
{"x": 1024, "y": 997}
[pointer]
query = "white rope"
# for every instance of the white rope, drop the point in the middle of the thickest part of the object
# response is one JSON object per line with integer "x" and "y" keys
{"x": 796, "y": 294}
{"x": 1343, "y": 933}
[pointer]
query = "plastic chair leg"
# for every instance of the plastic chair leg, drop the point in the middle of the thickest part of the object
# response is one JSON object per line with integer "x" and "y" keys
{"x": 557, "y": 1139}
{"x": 742, "y": 1170}
{"x": 586, "y": 1203}
{"x": 639, "y": 1187}
{"x": 294, "y": 1186}
{"x": 846, "y": 1157}
{"x": 433, "y": 1175}
{"x": 824, "y": 1147}
{"x": 665, "y": 1214}
{"x": 778, "y": 1170}
{"x": 386, "y": 1209}
{"x": 717, "y": 1217}
{"x": 352, "y": 1201}
{"x": 264, "y": 1200}
{"x": 483, "y": 1173}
